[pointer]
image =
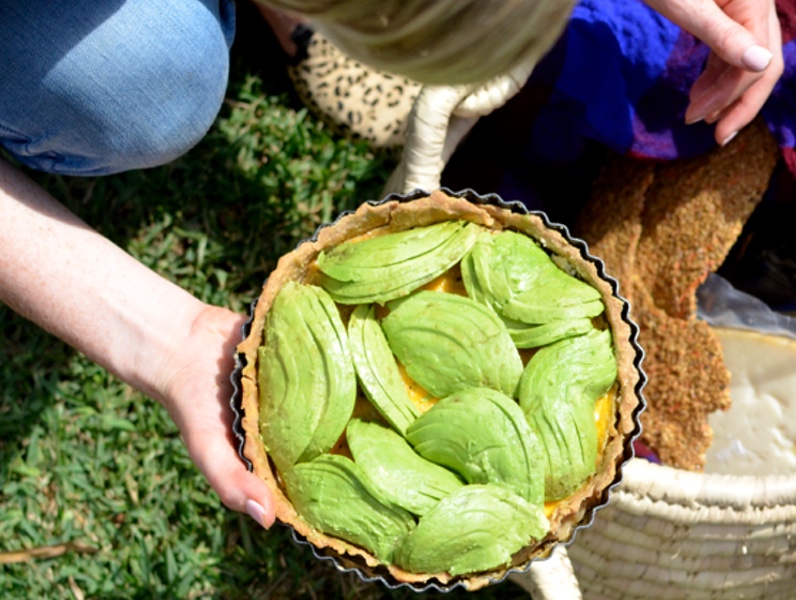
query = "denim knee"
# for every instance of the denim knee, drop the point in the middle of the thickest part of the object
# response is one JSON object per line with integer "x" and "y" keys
{"x": 133, "y": 84}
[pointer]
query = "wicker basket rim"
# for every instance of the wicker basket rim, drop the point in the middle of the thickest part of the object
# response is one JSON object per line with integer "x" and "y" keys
{"x": 677, "y": 486}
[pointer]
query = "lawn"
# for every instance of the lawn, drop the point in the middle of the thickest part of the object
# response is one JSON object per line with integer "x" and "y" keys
{"x": 98, "y": 498}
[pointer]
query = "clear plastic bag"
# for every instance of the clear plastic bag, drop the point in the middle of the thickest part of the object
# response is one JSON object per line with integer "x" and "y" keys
{"x": 721, "y": 305}
{"x": 757, "y": 434}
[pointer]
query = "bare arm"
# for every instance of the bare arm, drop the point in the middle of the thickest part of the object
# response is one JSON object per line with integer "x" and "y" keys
{"x": 67, "y": 278}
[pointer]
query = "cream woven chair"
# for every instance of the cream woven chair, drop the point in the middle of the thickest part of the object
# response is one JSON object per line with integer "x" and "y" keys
{"x": 440, "y": 119}
{"x": 665, "y": 533}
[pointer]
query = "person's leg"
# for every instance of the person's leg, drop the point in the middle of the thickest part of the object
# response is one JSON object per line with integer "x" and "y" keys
{"x": 92, "y": 88}
{"x": 283, "y": 26}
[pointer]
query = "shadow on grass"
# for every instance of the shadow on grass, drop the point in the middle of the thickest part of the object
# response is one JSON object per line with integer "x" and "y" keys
{"x": 31, "y": 361}
{"x": 271, "y": 565}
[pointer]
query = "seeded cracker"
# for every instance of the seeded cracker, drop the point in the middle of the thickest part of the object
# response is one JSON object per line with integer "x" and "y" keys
{"x": 661, "y": 229}
{"x": 611, "y": 222}
{"x": 687, "y": 381}
{"x": 694, "y": 212}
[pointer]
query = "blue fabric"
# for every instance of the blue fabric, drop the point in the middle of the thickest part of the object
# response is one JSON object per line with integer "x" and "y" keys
{"x": 620, "y": 76}
{"x": 91, "y": 88}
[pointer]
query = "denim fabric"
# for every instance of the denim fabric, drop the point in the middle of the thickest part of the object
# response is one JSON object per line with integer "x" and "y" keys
{"x": 92, "y": 88}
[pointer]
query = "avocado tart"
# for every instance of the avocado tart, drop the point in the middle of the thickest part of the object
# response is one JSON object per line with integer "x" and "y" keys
{"x": 301, "y": 459}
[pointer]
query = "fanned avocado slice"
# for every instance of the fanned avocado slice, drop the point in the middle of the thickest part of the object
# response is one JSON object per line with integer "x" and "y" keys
{"x": 555, "y": 300}
{"x": 585, "y": 365}
{"x": 476, "y": 528}
{"x": 306, "y": 378}
{"x": 394, "y": 472}
{"x": 535, "y": 336}
{"x": 378, "y": 373}
{"x": 513, "y": 275}
{"x": 329, "y": 495}
{"x": 477, "y": 279}
{"x": 386, "y": 267}
{"x": 483, "y": 436}
{"x": 449, "y": 342}
{"x": 557, "y": 392}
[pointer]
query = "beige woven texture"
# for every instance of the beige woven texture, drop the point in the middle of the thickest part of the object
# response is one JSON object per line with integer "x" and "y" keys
{"x": 440, "y": 119}
{"x": 666, "y": 533}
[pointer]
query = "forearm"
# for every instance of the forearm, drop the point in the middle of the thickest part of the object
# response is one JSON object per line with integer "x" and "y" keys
{"x": 70, "y": 280}
{"x": 67, "y": 278}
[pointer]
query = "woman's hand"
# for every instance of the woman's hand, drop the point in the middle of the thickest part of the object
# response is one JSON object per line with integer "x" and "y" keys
{"x": 745, "y": 62}
{"x": 76, "y": 284}
{"x": 196, "y": 392}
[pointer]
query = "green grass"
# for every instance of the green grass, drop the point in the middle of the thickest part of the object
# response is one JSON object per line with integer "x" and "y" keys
{"x": 86, "y": 460}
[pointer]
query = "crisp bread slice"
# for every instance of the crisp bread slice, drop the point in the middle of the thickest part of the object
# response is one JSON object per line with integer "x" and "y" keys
{"x": 660, "y": 230}
{"x": 695, "y": 211}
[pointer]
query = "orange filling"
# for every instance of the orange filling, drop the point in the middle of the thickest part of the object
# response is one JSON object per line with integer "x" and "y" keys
{"x": 422, "y": 399}
{"x": 450, "y": 282}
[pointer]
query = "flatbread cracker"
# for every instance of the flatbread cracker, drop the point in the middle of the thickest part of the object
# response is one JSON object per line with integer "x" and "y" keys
{"x": 660, "y": 230}
{"x": 695, "y": 211}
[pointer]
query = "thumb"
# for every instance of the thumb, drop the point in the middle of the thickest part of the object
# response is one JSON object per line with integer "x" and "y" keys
{"x": 734, "y": 41}
{"x": 238, "y": 488}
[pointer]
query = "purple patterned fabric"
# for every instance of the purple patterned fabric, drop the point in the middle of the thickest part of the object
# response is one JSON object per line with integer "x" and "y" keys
{"x": 620, "y": 76}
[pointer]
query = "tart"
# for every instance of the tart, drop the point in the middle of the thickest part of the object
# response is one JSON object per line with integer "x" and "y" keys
{"x": 422, "y": 414}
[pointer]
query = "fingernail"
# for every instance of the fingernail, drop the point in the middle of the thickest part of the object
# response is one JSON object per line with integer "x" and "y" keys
{"x": 693, "y": 120}
{"x": 256, "y": 512}
{"x": 757, "y": 58}
{"x": 729, "y": 138}
{"x": 712, "y": 117}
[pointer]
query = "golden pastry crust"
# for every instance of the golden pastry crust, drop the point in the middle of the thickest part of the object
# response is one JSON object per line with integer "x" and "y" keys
{"x": 393, "y": 216}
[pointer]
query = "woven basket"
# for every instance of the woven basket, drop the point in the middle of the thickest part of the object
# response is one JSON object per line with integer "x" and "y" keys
{"x": 666, "y": 533}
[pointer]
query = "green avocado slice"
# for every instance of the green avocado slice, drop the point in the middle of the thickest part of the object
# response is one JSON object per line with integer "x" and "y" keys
{"x": 306, "y": 377}
{"x": 535, "y": 336}
{"x": 386, "y": 267}
{"x": 329, "y": 495}
{"x": 449, "y": 342}
{"x": 555, "y": 300}
{"x": 377, "y": 370}
{"x": 557, "y": 392}
{"x": 477, "y": 279}
{"x": 513, "y": 275}
{"x": 394, "y": 472}
{"x": 483, "y": 436}
{"x": 477, "y": 528}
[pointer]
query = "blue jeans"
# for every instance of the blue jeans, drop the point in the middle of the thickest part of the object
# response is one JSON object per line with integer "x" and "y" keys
{"x": 93, "y": 87}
